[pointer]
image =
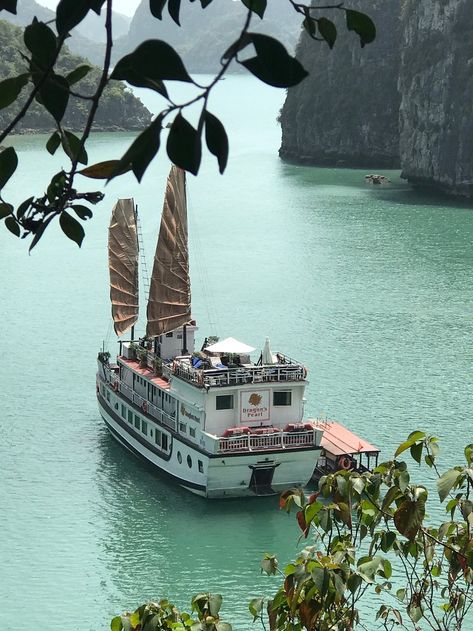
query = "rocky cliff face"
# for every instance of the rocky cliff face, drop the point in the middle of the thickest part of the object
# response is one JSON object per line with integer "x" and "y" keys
{"x": 436, "y": 113}
{"x": 346, "y": 112}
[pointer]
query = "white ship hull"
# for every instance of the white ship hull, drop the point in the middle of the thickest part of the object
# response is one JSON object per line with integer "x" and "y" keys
{"x": 218, "y": 475}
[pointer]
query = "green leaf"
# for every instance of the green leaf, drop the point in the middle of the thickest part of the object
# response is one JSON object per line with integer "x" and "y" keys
{"x": 328, "y": 30}
{"x": 469, "y": 454}
{"x": 54, "y": 95}
{"x": 5, "y": 210}
{"x": 41, "y": 42}
{"x": 72, "y": 147}
{"x": 408, "y": 518}
{"x": 78, "y": 73}
{"x": 216, "y": 139}
{"x": 387, "y": 569}
{"x": 416, "y": 451}
{"x": 8, "y": 5}
{"x": 446, "y": 482}
{"x": 11, "y": 88}
{"x": 223, "y": 626}
{"x": 8, "y": 164}
{"x": 116, "y": 624}
{"x": 53, "y": 143}
{"x": 362, "y": 25}
{"x": 71, "y": 227}
{"x": 141, "y": 151}
{"x": 82, "y": 211}
{"x": 387, "y": 540}
{"x": 70, "y": 13}
{"x": 184, "y": 145}
{"x": 309, "y": 24}
{"x": 153, "y": 59}
{"x": 257, "y": 6}
{"x": 415, "y": 613}
{"x": 412, "y": 438}
{"x": 104, "y": 170}
{"x": 215, "y": 602}
{"x": 156, "y": 7}
{"x": 256, "y": 606}
{"x": 12, "y": 225}
{"x": 353, "y": 583}
{"x": 368, "y": 569}
{"x": 273, "y": 64}
{"x": 174, "y": 6}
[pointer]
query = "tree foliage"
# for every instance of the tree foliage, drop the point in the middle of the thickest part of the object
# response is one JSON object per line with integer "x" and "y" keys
{"x": 368, "y": 532}
{"x": 49, "y": 85}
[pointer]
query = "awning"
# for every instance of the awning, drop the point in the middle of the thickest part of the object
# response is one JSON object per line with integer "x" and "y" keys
{"x": 339, "y": 440}
{"x": 229, "y": 345}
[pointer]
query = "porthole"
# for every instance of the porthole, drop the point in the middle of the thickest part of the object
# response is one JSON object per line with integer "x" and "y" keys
{"x": 179, "y": 457}
{"x": 189, "y": 462}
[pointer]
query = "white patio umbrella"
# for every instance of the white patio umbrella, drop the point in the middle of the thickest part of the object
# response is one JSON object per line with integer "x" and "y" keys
{"x": 229, "y": 345}
{"x": 267, "y": 357}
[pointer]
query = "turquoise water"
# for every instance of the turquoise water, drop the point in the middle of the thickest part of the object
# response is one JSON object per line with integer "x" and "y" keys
{"x": 370, "y": 287}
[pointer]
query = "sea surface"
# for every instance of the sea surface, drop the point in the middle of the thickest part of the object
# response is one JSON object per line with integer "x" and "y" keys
{"x": 371, "y": 287}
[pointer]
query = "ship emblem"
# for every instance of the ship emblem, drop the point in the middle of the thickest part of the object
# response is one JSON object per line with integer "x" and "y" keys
{"x": 255, "y": 399}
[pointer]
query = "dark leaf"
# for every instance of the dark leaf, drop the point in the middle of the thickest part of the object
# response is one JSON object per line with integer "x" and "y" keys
{"x": 96, "y": 5}
{"x": 11, "y": 88}
{"x": 72, "y": 147}
{"x": 8, "y": 164}
{"x": 141, "y": 152}
{"x": 205, "y": 3}
{"x": 12, "y": 225}
{"x": 174, "y": 6}
{"x": 23, "y": 207}
{"x": 216, "y": 139}
{"x": 328, "y": 30}
{"x": 257, "y": 6}
{"x": 309, "y": 25}
{"x": 362, "y": 25}
{"x": 70, "y": 13}
{"x": 54, "y": 95}
{"x": 41, "y": 42}
{"x": 78, "y": 73}
{"x": 411, "y": 440}
{"x": 408, "y": 518}
{"x": 153, "y": 59}
{"x": 104, "y": 170}
{"x": 71, "y": 227}
{"x": 82, "y": 211}
{"x": 273, "y": 64}
{"x": 8, "y": 5}
{"x": 53, "y": 143}
{"x": 240, "y": 44}
{"x": 5, "y": 210}
{"x": 138, "y": 81}
{"x": 156, "y": 7}
{"x": 416, "y": 452}
{"x": 184, "y": 145}
{"x": 56, "y": 186}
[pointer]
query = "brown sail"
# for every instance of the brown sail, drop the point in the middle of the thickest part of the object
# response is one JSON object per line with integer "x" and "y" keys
{"x": 169, "y": 304}
{"x": 123, "y": 265}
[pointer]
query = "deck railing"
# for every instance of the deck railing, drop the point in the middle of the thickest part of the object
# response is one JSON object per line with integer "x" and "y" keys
{"x": 152, "y": 410}
{"x": 216, "y": 377}
{"x": 278, "y": 440}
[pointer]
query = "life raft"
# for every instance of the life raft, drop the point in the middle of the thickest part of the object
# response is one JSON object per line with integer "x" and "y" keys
{"x": 296, "y": 427}
{"x": 264, "y": 430}
{"x": 345, "y": 463}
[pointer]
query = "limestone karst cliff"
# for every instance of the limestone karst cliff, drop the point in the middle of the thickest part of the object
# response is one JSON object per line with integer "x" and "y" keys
{"x": 436, "y": 82}
{"x": 346, "y": 112}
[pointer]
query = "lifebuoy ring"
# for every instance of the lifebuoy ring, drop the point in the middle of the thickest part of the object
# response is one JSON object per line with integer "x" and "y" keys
{"x": 115, "y": 386}
{"x": 345, "y": 463}
{"x": 144, "y": 407}
{"x": 304, "y": 372}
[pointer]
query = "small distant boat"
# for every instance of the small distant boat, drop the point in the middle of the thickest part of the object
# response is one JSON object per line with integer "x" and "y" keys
{"x": 377, "y": 179}
{"x": 214, "y": 421}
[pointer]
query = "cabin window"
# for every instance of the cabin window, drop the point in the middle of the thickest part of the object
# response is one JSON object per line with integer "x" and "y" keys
{"x": 282, "y": 397}
{"x": 179, "y": 457}
{"x": 192, "y": 431}
{"x": 103, "y": 390}
{"x": 157, "y": 437}
{"x": 168, "y": 334}
{"x": 183, "y": 428}
{"x": 108, "y": 396}
{"x": 144, "y": 427}
{"x": 189, "y": 462}
{"x": 123, "y": 411}
{"x": 164, "y": 442}
{"x": 201, "y": 466}
{"x": 130, "y": 416}
{"x": 179, "y": 336}
{"x": 137, "y": 422}
{"x": 224, "y": 402}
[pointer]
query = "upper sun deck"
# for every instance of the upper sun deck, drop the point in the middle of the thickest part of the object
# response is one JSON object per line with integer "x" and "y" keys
{"x": 210, "y": 372}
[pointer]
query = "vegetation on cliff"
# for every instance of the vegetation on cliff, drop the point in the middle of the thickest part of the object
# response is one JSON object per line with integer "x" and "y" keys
{"x": 118, "y": 109}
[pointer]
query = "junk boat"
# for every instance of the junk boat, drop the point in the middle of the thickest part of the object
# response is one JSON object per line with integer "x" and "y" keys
{"x": 214, "y": 421}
